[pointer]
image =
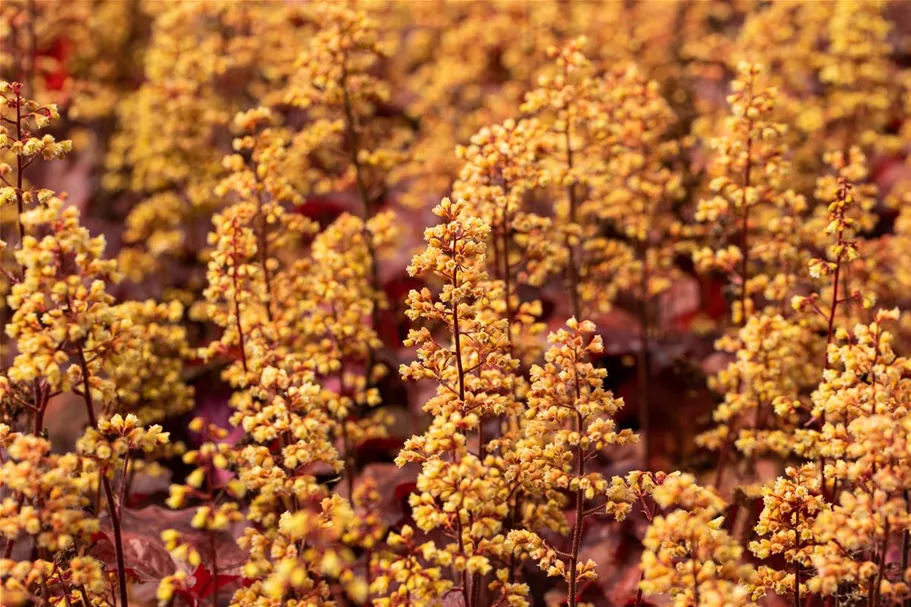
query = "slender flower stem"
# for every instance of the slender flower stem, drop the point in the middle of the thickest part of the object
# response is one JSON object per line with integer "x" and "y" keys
{"x": 263, "y": 242}
{"x": 20, "y": 201}
{"x": 744, "y": 268}
{"x": 240, "y": 328}
{"x": 580, "y": 498}
{"x": 643, "y": 364}
{"x": 572, "y": 268}
{"x": 213, "y": 551}
{"x": 830, "y": 325}
{"x": 367, "y": 206}
{"x": 105, "y": 482}
{"x": 456, "y": 334}
{"x": 507, "y": 268}
{"x": 33, "y": 47}
{"x": 466, "y": 594}
{"x": 745, "y": 224}
{"x": 796, "y": 563}
{"x": 41, "y": 402}
{"x": 874, "y": 600}
{"x": 457, "y": 345}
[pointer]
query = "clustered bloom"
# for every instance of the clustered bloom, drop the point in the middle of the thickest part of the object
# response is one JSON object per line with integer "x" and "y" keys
{"x": 572, "y": 414}
{"x": 687, "y": 552}
{"x": 458, "y": 490}
{"x": 238, "y": 278}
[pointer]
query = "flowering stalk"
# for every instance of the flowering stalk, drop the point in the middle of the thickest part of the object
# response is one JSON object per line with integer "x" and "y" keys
{"x": 636, "y": 196}
{"x": 687, "y": 553}
{"x": 568, "y": 404}
{"x": 839, "y": 254}
{"x": 212, "y": 457}
{"x": 335, "y": 75}
{"x": 110, "y": 441}
{"x": 751, "y": 141}
{"x": 473, "y": 373}
{"x": 567, "y": 104}
{"x": 113, "y": 510}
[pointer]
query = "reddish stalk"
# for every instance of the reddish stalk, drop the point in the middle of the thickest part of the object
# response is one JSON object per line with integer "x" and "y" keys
{"x": 466, "y": 594}
{"x": 240, "y": 328}
{"x": 580, "y": 500}
{"x": 507, "y": 286}
{"x": 41, "y": 401}
{"x": 105, "y": 483}
{"x": 210, "y": 487}
{"x": 575, "y": 300}
{"x": 796, "y": 563}
{"x": 745, "y": 225}
{"x": 906, "y": 545}
{"x": 456, "y": 334}
{"x": 643, "y": 363}
{"x": 367, "y": 205}
{"x": 33, "y": 47}
{"x": 263, "y": 243}
{"x": 830, "y": 328}
{"x": 744, "y": 267}
{"x": 874, "y": 599}
{"x": 20, "y": 201}
{"x": 572, "y": 270}
{"x": 457, "y": 344}
{"x": 368, "y": 573}
{"x": 649, "y": 516}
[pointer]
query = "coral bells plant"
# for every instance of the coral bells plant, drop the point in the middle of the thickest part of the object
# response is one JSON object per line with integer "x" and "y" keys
{"x": 581, "y": 233}
{"x": 569, "y": 407}
{"x": 457, "y": 490}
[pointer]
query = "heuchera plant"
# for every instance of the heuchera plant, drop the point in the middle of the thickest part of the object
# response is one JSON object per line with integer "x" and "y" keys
{"x": 455, "y": 304}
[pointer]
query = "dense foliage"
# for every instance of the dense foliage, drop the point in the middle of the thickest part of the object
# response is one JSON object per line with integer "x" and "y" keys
{"x": 439, "y": 303}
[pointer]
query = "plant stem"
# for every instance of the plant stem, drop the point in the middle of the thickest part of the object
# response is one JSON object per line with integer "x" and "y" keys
{"x": 572, "y": 270}
{"x": 466, "y": 595}
{"x": 367, "y": 205}
{"x": 507, "y": 286}
{"x": 643, "y": 364}
{"x": 639, "y": 590}
{"x": 875, "y": 590}
{"x": 456, "y": 334}
{"x": 213, "y": 552}
{"x": 41, "y": 401}
{"x": 580, "y": 498}
{"x": 457, "y": 345}
{"x": 745, "y": 225}
{"x": 263, "y": 244}
{"x": 20, "y": 202}
{"x": 33, "y": 48}
{"x": 240, "y": 328}
{"x": 744, "y": 269}
{"x": 105, "y": 482}
{"x": 796, "y": 562}
{"x": 830, "y": 328}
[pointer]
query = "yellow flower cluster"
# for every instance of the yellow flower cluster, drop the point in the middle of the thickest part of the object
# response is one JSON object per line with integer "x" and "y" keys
{"x": 570, "y": 410}
{"x": 750, "y": 204}
{"x": 71, "y": 336}
{"x": 458, "y": 491}
{"x": 687, "y": 552}
{"x": 595, "y": 162}
{"x": 165, "y": 148}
